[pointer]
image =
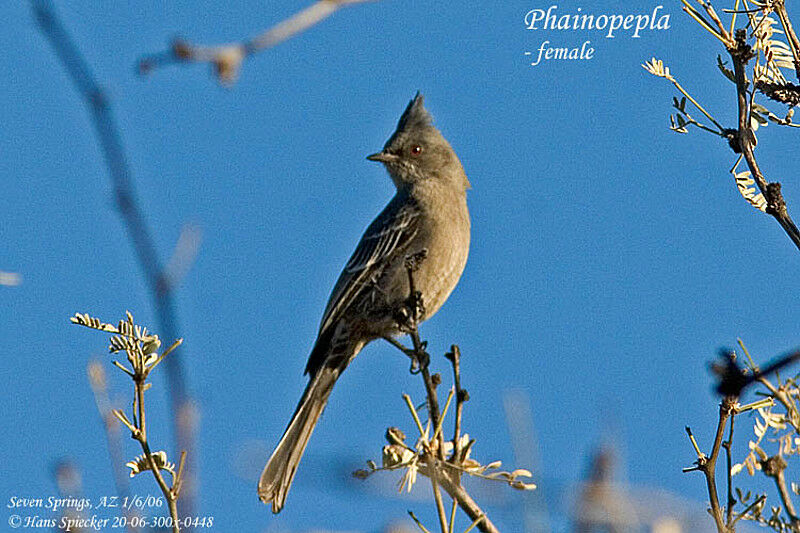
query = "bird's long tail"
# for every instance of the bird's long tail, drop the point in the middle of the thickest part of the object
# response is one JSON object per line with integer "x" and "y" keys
{"x": 278, "y": 474}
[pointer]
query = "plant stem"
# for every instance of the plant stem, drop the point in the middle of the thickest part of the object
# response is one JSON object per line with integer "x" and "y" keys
{"x": 141, "y": 436}
{"x": 437, "y": 494}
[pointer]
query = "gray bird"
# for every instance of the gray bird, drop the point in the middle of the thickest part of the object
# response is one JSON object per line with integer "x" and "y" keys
{"x": 428, "y": 212}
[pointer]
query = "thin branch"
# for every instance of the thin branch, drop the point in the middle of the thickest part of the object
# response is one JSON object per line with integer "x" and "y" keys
{"x": 132, "y": 215}
{"x": 786, "y": 498}
{"x": 698, "y": 106}
{"x": 707, "y": 463}
{"x": 729, "y": 463}
{"x": 437, "y": 494}
{"x": 776, "y": 206}
{"x": 756, "y": 503}
{"x": 697, "y": 16}
{"x": 416, "y": 521}
{"x": 141, "y": 436}
{"x": 416, "y": 305}
{"x": 713, "y": 15}
{"x": 226, "y": 59}
{"x": 454, "y": 355}
{"x": 452, "y": 524}
{"x": 734, "y": 12}
{"x": 468, "y": 505}
{"x": 709, "y": 469}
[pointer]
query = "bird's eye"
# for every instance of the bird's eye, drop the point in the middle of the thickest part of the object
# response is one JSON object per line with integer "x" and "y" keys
{"x": 416, "y": 149}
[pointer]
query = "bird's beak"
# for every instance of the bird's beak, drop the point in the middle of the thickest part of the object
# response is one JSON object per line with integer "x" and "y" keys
{"x": 383, "y": 157}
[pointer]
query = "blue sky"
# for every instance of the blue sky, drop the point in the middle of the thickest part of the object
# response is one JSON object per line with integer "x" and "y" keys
{"x": 610, "y": 257}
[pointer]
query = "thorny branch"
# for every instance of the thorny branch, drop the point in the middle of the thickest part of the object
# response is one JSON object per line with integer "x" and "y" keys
{"x": 159, "y": 279}
{"x": 226, "y": 59}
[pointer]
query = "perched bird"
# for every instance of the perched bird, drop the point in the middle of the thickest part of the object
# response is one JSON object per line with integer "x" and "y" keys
{"x": 428, "y": 212}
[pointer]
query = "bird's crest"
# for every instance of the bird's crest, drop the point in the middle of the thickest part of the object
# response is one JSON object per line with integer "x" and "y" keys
{"x": 415, "y": 116}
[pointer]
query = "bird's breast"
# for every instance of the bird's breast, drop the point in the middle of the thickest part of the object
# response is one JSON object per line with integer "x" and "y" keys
{"x": 448, "y": 247}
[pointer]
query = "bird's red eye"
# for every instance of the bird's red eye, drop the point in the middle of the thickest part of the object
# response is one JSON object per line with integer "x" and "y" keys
{"x": 416, "y": 149}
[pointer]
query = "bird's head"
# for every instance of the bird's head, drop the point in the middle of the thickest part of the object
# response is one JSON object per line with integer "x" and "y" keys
{"x": 417, "y": 151}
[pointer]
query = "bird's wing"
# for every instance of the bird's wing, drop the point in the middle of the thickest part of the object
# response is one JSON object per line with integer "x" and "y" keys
{"x": 390, "y": 232}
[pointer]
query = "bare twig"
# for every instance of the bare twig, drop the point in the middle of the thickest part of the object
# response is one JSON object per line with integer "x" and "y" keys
{"x": 226, "y": 59}
{"x": 454, "y": 356}
{"x": 728, "y": 444}
{"x": 141, "y": 238}
{"x": 415, "y": 306}
{"x": 437, "y": 494}
{"x": 141, "y": 436}
{"x": 707, "y": 463}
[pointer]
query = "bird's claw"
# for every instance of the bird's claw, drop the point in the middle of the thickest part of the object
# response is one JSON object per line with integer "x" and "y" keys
{"x": 419, "y": 359}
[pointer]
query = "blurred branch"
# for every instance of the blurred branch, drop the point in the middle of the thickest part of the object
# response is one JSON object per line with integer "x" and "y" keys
{"x": 183, "y": 255}
{"x": 143, "y": 243}
{"x": 69, "y": 481}
{"x": 733, "y": 379}
{"x": 10, "y": 279}
{"x": 99, "y": 384}
{"x": 226, "y": 59}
